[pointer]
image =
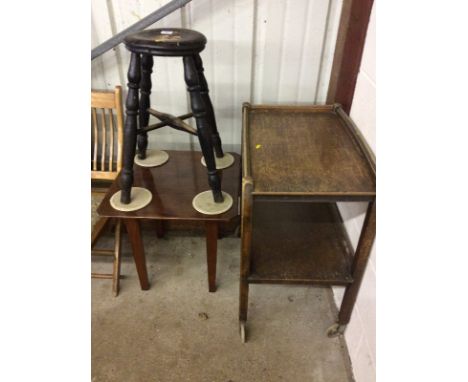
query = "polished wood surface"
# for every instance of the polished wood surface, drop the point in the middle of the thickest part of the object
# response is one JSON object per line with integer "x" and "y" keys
{"x": 134, "y": 234}
{"x": 297, "y": 243}
{"x": 306, "y": 151}
{"x": 105, "y": 99}
{"x": 175, "y": 42}
{"x": 173, "y": 186}
{"x": 211, "y": 229}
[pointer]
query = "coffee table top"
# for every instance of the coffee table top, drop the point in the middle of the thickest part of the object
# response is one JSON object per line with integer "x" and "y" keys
{"x": 173, "y": 186}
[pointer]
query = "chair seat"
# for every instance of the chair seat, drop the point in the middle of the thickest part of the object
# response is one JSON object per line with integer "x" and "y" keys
{"x": 166, "y": 42}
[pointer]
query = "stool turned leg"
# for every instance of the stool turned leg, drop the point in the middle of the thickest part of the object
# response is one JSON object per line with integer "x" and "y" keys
{"x": 215, "y": 138}
{"x": 203, "y": 125}
{"x": 130, "y": 128}
{"x": 145, "y": 91}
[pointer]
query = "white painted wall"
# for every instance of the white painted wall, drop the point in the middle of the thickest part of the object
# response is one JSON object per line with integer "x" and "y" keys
{"x": 260, "y": 51}
{"x": 360, "y": 333}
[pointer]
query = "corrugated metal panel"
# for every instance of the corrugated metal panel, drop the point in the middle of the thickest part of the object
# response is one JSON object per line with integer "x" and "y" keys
{"x": 261, "y": 51}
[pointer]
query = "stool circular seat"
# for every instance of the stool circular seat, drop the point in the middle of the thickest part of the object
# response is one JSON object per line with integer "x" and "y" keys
{"x": 166, "y": 42}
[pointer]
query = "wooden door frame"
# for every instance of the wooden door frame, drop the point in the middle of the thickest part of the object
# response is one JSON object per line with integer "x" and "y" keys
{"x": 352, "y": 30}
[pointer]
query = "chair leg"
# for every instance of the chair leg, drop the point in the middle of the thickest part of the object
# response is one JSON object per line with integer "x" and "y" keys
{"x": 98, "y": 229}
{"x": 116, "y": 270}
{"x": 96, "y": 233}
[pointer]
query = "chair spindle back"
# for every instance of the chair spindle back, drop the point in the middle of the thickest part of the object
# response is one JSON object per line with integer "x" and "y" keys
{"x": 106, "y": 133}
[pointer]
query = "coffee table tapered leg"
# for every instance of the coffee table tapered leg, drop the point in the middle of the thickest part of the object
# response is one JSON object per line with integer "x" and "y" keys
{"x": 138, "y": 251}
{"x": 211, "y": 253}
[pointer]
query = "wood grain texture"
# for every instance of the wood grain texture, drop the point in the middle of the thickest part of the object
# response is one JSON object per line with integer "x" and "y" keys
{"x": 111, "y": 140}
{"x": 246, "y": 242}
{"x": 173, "y": 187}
{"x": 305, "y": 151}
{"x": 299, "y": 243}
{"x": 103, "y": 140}
{"x": 211, "y": 233}
{"x": 103, "y": 99}
{"x": 117, "y": 258}
{"x": 359, "y": 265}
{"x": 138, "y": 252}
{"x": 297, "y": 163}
{"x": 94, "y": 124}
{"x": 105, "y": 126}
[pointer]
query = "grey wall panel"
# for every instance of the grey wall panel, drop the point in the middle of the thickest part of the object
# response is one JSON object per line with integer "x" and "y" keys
{"x": 260, "y": 51}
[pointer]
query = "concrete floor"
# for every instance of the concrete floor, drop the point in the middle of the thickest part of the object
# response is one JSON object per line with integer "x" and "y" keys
{"x": 178, "y": 331}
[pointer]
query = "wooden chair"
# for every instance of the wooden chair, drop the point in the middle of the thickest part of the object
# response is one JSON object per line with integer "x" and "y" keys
{"x": 106, "y": 163}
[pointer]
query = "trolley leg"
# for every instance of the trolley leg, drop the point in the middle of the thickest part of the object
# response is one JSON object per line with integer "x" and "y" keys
{"x": 243, "y": 300}
{"x": 358, "y": 268}
{"x": 246, "y": 241}
{"x": 243, "y": 306}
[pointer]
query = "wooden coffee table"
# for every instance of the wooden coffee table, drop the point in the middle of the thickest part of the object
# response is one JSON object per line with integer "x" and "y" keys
{"x": 173, "y": 186}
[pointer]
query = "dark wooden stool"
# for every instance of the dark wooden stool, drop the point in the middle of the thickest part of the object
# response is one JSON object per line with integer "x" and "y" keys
{"x": 173, "y": 42}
